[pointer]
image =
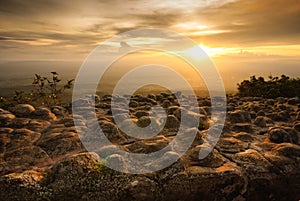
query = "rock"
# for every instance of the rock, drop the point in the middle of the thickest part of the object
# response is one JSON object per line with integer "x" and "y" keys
{"x": 140, "y": 114}
{"x": 293, "y": 133}
{"x": 38, "y": 125}
{"x": 172, "y": 122}
{"x": 252, "y": 115}
{"x": 282, "y": 116}
{"x": 24, "y": 186}
{"x": 4, "y": 140}
{"x": 20, "y": 122}
{"x": 151, "y": 96}
{"x": 297, "y": 126}
{"x": 144, "y": 121}
{"x": 6, "y": 119}
{"x": 252, "y": 159}
{"x": 143, "y": 188}
{"x": 231, "y": 145}
{"x": 60, "y": 144}
{"x": 293, "y": 101}
{"x": 43, "y": 113}
{"x": 204, "y": 184}
{"x": 298, "y": 116}
{"x": 242, "y": 127}
{"x": 111, "y": 131}
{"x": 203, "y": 111}
{"x": 260, "y": 121}
{"x": 243, "y": 136}
{"x": 109, "y": 150}
{"x": 260, "y": 113}
{"x": 244, "y": 165}
{"x": 255, "y": 107}
{"x": 2, "y": 111}
{"x": 240, "y": 116}
{"x": 279, "y": 135}
{"x": 117, "y": 162}
{"x": 288, "y": 150}
{"x": 22, "y": 110}
{"x": 166, "y": 104}
{"x": 192, "y": 118}
{"x": 22, "y": 137}
{"x": 213, "y": 160}
{"x": 77, "y": 164}
{"x": 207, "y": 109}
{"x": 58, "y": 111}
{"x": 173, "y": 109}
{"x": 5, "y": 130}
{"x": 68, "y": 121}
{"x": 149, "y": 145}
{"x": 25, "y": 157}
{"x": 133, "y": 104}
{"x": 83, "y": 102}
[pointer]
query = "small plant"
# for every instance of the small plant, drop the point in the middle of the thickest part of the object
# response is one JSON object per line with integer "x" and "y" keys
{"x": 100, "y": 165}
{"x": 102, "y": 168}
{"x": 46, "y": 92}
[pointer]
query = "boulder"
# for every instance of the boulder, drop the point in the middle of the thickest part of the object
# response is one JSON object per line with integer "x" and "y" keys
{"x": 140, "y": 114}
{"x": 242, "y": 127}
{"x": 260, "y": 121}
{"x": 240, "y": 116}
{"x": 60, "y": 144}
{"x": 20, "y": 122}
{"x": 25, "y": 157}
{"x": 22, "y": 137}
{"x": 213, "y": 160}
{"x": 22, "y": 110}
{"x": 43, "y": 113}
{"x": 38, "y": 125}
{"x": 6, "y": 119}
{"x": 172, "y": 122}
{"x": 111, "y": 131}
{"x": 144, "y": 121}
{"x": 297, "y": 126}
{"x": 279, "y": 135}
{"x": 231, "y": 145}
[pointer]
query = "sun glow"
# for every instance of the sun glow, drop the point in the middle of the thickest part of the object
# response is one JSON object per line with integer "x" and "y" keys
{"x": 194, "y": 51}
{"x": 213, "y": 51}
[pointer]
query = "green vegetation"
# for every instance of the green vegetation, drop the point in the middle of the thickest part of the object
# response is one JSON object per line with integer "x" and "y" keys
{"x": 46, "y": 92}
{"x": 100, "y": 167}
{"x": 274, "y": 87}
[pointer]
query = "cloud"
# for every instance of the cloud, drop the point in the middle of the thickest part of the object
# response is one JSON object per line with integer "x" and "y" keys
{"x": 252, "y": 22}
{"x": 59, "y": 24}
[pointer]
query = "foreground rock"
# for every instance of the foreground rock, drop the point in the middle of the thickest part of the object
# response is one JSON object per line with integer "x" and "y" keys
{"x": 256, "y": 158}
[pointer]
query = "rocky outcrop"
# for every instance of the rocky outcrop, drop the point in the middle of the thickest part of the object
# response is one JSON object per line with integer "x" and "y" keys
{"x": 256, "y": 158}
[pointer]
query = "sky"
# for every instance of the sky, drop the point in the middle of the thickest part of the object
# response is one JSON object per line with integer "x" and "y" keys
{"x": 242, "y": 37}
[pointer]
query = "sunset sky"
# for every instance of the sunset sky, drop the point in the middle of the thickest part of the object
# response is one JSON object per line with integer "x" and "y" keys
{"x": 243, "y": 37}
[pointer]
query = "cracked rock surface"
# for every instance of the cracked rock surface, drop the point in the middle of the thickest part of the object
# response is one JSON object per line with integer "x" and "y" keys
{"x": 257, "y": 156}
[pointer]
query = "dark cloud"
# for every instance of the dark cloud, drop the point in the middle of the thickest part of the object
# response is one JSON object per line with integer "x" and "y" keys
{"x": 31, "y": 7}
{"x": 158, "y": 18}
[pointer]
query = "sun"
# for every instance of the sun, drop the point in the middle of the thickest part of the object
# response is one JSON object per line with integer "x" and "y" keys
{"x": 212, "y": 51}
{"x": 196, "y": 53}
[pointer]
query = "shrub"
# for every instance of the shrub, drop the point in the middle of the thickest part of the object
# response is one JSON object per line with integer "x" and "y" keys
{"x": 272, "y": 88}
